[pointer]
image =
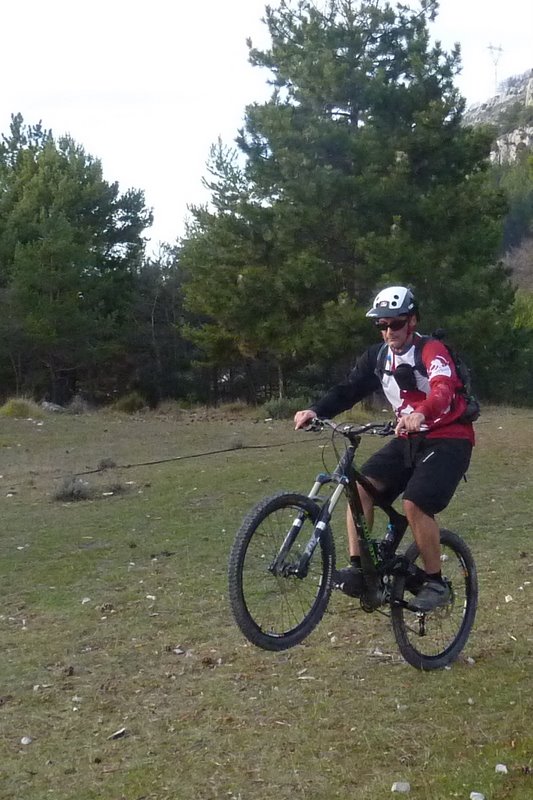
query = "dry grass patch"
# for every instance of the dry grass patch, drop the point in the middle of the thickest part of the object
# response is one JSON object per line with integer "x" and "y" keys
{"x": 21, "y": 408}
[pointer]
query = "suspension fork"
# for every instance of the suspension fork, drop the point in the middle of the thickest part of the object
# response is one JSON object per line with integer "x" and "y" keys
{"x": 321, "y": 524}
{"x": 278, "y": 566}
{"x": 344, "y": 477}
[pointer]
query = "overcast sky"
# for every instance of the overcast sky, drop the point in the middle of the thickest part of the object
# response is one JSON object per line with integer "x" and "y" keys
{"x": 148, "y": 87}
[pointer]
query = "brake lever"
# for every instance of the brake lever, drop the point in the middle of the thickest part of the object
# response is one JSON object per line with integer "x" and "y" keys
{"x": 315, "y": 426}
{"x": 387, "y": 430}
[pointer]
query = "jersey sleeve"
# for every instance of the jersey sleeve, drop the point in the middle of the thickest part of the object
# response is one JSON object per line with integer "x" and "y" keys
{"x": 360, "y": 383}
{"x": 443, "y": 381}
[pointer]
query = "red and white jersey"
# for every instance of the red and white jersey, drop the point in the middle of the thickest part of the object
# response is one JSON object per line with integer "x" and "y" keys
{"x": 436, "y": 395}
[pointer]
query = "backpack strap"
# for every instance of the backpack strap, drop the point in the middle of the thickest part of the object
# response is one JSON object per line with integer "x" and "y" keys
{"x": 419, "y": 342}
{"x": 380, "y": 362}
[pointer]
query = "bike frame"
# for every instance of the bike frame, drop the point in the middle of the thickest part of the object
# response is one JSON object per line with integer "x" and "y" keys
{"x": 346, "y": 477}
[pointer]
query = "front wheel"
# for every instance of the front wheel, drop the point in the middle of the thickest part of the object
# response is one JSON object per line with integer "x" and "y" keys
{"x": 433, "y": 640}
{"x": 274, "y": 605}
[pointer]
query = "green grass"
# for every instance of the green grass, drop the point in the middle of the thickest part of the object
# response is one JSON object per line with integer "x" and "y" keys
{"x": 115, "y": 615}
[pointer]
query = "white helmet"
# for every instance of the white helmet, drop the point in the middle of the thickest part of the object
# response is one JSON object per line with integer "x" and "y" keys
{"x": 393, "y": 302}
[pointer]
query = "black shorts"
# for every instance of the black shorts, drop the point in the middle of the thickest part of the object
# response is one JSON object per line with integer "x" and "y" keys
{"x": 427, "y": 471}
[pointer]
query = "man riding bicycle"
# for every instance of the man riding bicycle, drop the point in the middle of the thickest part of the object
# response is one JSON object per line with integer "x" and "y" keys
{"x": 432, "y": 447}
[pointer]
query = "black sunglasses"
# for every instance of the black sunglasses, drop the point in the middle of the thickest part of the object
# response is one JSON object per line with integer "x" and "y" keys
{"x": 395, "y": 325}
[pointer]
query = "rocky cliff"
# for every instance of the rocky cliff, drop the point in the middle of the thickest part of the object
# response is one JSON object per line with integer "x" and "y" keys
{"x": 511, "y": 113}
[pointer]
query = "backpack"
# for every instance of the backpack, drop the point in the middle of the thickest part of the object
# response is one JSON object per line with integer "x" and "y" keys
{"x": 473, "y": 408}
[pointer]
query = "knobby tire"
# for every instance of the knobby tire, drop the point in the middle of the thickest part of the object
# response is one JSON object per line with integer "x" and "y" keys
{"x": 277, "y": 612}
{"x": 434, "y": 640}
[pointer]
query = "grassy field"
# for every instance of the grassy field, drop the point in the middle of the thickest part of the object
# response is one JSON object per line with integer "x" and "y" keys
{"x": 121, "y": 664}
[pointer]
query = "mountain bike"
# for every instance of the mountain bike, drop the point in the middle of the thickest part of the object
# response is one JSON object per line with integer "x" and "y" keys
{"x": 282, "y": 564}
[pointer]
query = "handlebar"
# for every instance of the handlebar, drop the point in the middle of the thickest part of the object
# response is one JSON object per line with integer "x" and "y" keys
{"x": 375, "y": 428}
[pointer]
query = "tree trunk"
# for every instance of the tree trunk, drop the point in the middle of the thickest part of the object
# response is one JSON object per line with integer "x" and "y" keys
{"x": 281, "y": 382}
{"x": 215, "y": 387}
{"x": 250, "y": 383}
{"x": 17, "y": 371}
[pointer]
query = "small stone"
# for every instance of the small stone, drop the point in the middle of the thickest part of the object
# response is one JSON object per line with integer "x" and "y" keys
{"x": 502, "y": 769}
{"x": 401, "y": 786}
{"x": 26, "y": 740}
{"x": 477, "y": 796}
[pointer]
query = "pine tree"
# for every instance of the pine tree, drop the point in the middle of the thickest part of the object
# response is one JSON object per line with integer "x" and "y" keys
{"x": 357, "y": 173}
{"x": 70, "y": 250}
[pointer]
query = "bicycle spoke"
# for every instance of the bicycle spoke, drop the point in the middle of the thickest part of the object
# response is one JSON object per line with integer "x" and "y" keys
{"x": 274, "y": 603}
{"x": 431, "y": 640}
{"x": 277, "y": 603}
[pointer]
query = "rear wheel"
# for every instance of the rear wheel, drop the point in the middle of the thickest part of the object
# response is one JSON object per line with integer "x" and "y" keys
{"x": 433, "y": 640}
{"x": 275, "y": 608}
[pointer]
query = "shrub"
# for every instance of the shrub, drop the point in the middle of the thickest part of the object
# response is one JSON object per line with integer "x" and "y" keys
{"x": 130, "y": 403}
{"x": 238, "y": 407}
{"x": 117, "y": 487}
{"x": 73, "y": 488}
{"x": 285, "y": 407}
{"x": 78, "y": 405}
{"x": 106, "y": 463}
{"x": 169, "y": 408}
{"x": 21, "y": 407}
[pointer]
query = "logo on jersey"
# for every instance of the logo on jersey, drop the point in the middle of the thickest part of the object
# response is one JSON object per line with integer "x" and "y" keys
{"x": 439, "y": 366}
